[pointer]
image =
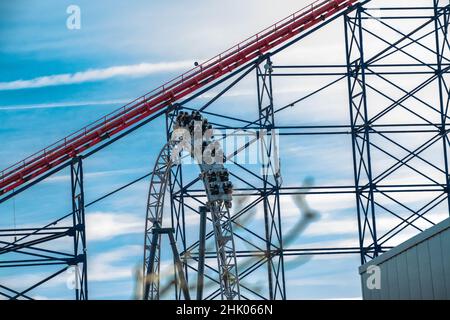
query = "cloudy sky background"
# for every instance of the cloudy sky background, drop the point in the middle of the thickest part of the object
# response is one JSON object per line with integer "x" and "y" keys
{"x": 55, "y": 81}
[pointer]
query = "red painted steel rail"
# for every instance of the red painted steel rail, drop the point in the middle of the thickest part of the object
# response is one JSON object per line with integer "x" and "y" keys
{"x": 165, "y": 95}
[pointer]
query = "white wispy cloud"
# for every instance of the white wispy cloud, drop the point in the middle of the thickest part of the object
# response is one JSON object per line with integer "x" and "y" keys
{"x": 103, "y": 267}
{"x": 21, "y": 281}
{"x": 96, "y": 174}
{"x": 63, "y": 104}
{"x": 135, "y": 70}
{"x": 107, "y": 225}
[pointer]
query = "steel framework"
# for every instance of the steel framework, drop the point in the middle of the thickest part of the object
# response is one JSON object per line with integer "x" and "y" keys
{"x": 372, "y": 132}
{"x": 398, "y": 99}
{"x": 21, "y": 247}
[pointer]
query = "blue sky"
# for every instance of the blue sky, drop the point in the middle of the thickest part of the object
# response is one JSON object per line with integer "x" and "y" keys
{"x": 55, "y": 81}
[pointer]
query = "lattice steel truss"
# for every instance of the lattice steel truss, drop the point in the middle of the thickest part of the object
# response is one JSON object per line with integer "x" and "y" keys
{"x": 24, "y": 247}
{"x": 423, "y": 54}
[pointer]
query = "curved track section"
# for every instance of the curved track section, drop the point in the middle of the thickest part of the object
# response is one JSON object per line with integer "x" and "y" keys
{"x": 209, "y": 155}
{"x": 155, "y": 207}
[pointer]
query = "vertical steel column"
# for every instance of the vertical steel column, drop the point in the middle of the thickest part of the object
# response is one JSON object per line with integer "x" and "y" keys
{"x": 361, "y": 127}
{"x": 151, "y": 285}
{"x": 271, "y": 183}
{"x": 79, "y": 235}
{"x": 179, "y": 272}
{"x": 180, "y": 276}
{"x": 441, "y": 24}
{"x": 201, "y": 251}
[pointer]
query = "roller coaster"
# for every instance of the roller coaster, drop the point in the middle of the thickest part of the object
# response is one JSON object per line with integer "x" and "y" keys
{"x": 218, "y": 190}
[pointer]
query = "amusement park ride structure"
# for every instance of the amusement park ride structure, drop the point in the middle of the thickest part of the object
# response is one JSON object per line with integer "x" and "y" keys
{"x": 215, "y": 193}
